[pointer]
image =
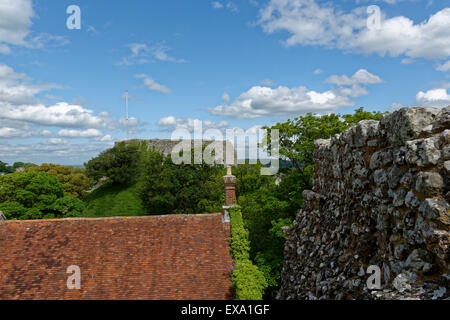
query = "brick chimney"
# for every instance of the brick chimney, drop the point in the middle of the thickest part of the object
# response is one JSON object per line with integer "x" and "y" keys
{"x": 230, "y": 188}
{"x": 230, "y": 193}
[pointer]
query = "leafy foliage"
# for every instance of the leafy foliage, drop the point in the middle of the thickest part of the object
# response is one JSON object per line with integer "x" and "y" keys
{"x": 120, "y": 164}
{"x": 248, "y": 281}
{"x": 36, "y": 195}
{"x": 297, "y": 136}
{"x": 75, "y": 180}
{"x": 186, "y": 188}
{"x": 4, "y": 168}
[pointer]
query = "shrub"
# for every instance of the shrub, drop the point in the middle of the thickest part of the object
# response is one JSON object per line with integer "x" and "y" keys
{"x": 248, "y": 281}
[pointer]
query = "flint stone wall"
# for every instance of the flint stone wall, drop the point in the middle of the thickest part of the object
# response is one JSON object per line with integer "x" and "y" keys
{"x": 380, "y": 197}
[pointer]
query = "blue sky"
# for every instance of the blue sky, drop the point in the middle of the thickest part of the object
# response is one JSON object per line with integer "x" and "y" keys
{"x": 228, "y": 63}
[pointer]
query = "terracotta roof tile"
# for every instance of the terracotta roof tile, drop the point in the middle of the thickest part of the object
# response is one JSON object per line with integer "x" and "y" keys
{"x": 152, "y": 257}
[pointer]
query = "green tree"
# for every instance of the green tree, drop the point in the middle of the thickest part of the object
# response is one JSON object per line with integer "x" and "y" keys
{"x": 75, "y": 180}
{"x": 120, "y": 164}
{"x": 35, "y": 195}
{"x": 296, "y": 137}
{"x": 186, "y": 188}
{"x": 5, "y": 168}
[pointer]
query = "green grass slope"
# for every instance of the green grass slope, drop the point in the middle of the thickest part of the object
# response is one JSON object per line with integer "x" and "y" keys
{"x": 111, "y": 201}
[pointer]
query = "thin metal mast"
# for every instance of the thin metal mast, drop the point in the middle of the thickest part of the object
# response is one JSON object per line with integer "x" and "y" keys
{"x": 126, "y": 99}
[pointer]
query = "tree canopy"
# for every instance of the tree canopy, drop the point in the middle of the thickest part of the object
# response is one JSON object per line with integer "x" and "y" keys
{"x": 35, "y": 195}
{"x": 74, "y": 180}
{"x": 120, "y": 164}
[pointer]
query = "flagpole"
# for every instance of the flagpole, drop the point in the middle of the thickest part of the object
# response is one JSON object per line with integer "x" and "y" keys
{"x": 126, "y": 99}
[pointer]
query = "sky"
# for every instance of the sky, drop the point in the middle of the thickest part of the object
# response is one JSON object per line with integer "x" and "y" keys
{"x": 231, "y": 64}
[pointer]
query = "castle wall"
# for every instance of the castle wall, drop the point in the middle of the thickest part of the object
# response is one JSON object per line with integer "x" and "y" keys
{"x": 380, "y": 198}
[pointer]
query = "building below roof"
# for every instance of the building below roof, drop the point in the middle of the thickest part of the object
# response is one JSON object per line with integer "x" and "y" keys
{"x": 152, "y": 257}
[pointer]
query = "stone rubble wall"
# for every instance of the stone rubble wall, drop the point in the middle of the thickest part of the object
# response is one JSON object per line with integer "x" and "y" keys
{"x": 381, "y": 197}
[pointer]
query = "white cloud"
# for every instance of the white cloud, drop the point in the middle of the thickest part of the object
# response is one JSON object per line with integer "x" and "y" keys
{"x": 152, "y": 84}
{"x": 8, "y": 133}
{"x": 361, "y": 76}
{"x": 141, "y": 53}
{"x": 226, "y": 97}
{"x": 437, "y": 98}
{"x": 88, "y": 133}
{"x": 318, "y": 71}
{"x": 16, "y": 88}
{"x": 265, "y": 101}
{"x": 15, "y": 17}
{"x": 310, "y": 23}
{"x": 231, "y": 6}
{"x": 15, "y": 23}
{"x": 18, "y": 102}
{"x": 216, "y": 5}
{"x": 60, "y": 114}
{"x": 105, "y": 138}
{"x": 444, "y": 67}
{"x": 172, "y": 123}
{"x": 267, "y": 82}
{"x": 57, "y": 141}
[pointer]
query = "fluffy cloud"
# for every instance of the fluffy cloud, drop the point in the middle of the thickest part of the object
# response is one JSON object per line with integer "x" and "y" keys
{"x": 8, "y": 133}
{"x": 16, "y": 20}
{"x": 172, "y": 123}
{"x": 57, "y": 141}
{"x": 226, "y": 97}
{"x": 264, "y": 101}
{"x": 89, "y": 133}
{"x": 60, "y": 114}
{"x": 444, "y": 67}
{"x": 361, "y": 76}
{"x": 151, "y": 84}
{"x": 16, "y": 88}
{"x": 18, "y": 102}
{"x": 433, "y": 98}
{"x": 310, "y": 23}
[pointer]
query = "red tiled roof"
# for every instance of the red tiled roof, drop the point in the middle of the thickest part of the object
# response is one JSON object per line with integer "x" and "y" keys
{"x": 153, "y": 257}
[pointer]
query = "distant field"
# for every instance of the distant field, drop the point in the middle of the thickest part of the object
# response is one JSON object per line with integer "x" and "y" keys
{"x": 109, "y": 201}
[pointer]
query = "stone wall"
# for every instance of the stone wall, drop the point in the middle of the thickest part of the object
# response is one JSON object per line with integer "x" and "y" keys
{"x": 380, "y": 197}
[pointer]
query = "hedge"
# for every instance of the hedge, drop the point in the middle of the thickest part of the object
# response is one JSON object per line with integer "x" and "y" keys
{"x": 248, "y": 281}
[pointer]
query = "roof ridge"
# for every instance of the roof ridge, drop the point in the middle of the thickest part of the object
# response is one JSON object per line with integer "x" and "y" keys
{"x": 117, "y": 218}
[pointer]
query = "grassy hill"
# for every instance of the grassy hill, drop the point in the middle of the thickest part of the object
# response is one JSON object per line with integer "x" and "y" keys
{"x": 110, "y": 201}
